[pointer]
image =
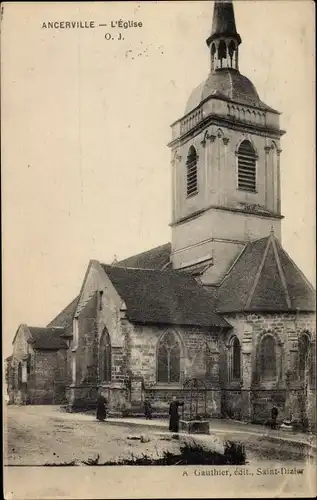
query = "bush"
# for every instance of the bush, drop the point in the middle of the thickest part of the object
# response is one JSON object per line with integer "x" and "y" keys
{"x": 190, "y": 454}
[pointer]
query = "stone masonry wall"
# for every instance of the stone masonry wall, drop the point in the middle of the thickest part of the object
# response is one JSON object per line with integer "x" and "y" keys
{"x": 199, "y": 359}
{"x": 83, "y": 390}
{"x": 254, "y": 398}
{"x": 47, "y": 383}
{"x": 194, "y": 341}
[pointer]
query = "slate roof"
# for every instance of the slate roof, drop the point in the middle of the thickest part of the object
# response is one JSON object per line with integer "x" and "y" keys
{"x": 223, "y": 23}
{"x": 166, "y": 297}
{"x": 156, "y": 258}
{"x": 264, "y": 278}
{"x": 65, "y": 317}
{"x": 225, "y": 83}
{"x": 47, "y": 338}
{"x": 228, "y": 84}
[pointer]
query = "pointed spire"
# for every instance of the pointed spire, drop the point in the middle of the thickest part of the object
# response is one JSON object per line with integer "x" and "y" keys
{"x": 224, "y": 38}
{"x": 272, "y": 231}
{"x": 224, "y": 23}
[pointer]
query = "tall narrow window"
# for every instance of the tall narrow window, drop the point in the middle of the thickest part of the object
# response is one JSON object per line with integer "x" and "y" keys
{"x": 74, "y": 378}
{"x": 303, "y": 357}
{"x": 222, "y": 51}
{"x": 231, "y": 50}
{"x": 20, "y": 375}
{"x": 208, "y": 361}
{"x": 268, "y": 360}
{"x": 168, "y": 359}
{"x": 191, "y": 164}
{"x": 105, "y": 357}
{"x": 234, "y": 359}
{"x": 246, "y": 167}
{"x": 75, "y": 333}
{"x": 100, "y": 299}
{"x": 213, "y": 52}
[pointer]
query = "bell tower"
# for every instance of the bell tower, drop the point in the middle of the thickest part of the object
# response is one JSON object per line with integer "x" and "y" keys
{"x": 225, "y": 162}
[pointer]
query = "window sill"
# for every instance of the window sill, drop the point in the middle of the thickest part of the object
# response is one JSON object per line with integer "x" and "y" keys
{"x": 267, "y": 384}
{"x": 166, "y": 386}
{"x": 234, "y": 384}
{"x": 111, "y": 385}
{"x": 247, "y": 190}
{"x": 191, "y": 195}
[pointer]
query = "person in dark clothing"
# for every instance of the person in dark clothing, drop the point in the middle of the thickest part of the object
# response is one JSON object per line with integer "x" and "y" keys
{"x": 147, "y": 410}
{"x": 101, "y": 412}
{"x": 174, "y": 416}
{"x": 274, "y": 414}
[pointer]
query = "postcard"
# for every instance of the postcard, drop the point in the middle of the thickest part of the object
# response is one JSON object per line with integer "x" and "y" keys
{"x": 158, "y": 216}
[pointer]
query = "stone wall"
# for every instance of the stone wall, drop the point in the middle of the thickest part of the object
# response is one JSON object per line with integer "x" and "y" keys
{"x": 47, "y": 382}
{"x": 83, "y": 390}
{"x": 102, "y": 311}
{"x": 143, "y": 341}
{"x": 199, "y": 359}
{"x": 257, "y": 396}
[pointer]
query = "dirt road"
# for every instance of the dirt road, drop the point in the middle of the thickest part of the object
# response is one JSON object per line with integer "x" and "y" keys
{"x": 41, "y": 435}
{"x": 37, "y": 436}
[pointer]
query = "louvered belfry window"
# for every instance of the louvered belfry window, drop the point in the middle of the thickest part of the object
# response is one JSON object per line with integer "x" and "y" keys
{"x": 192, "y": 182}
{"x": 246, "y": 167}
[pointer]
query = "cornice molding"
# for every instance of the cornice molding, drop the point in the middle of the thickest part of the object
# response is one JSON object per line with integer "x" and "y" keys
{"x": 219, "y": 121}
{"x": 261, "y": 215}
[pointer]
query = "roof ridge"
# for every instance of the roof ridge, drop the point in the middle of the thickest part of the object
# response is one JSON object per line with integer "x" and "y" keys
{"x": 75, "y": 300}
{"x": 296, "y": 266}
{"x": 144, "y": 251}
{"x": 282, "y": 275}
{"x": 258, "y": 274}
{"x": 231, "y": 84}
{"x": 46, "y": 327}
{"x": 234, "y": 263}
{"x": 144, "y": 269}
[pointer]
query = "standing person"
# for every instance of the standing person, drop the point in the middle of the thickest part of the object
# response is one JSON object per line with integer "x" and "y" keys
{"x": 274, "y": 414}
{"x": 101, "y": 412}
{"x": 147, "y": 409}
{"x": 174, "y": 416}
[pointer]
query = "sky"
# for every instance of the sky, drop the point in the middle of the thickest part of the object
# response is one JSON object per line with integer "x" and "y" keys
{"x": 86, "y": 122}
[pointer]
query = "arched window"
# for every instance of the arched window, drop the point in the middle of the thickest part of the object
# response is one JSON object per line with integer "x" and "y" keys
{"x": 191, "y": 164}
{"x": 28, "y": 366}
{"x": 232, "y": 48}
{"x": 222, "y": 51}
{"x": 105, "y": 357}
{"x": 268, "y": 361}
{"x": 234, "y": 359}
{"x": 168, "y": 359}
{"x": 20, "y": 375}
{"x": 12, "y": 376}
{"x": 213, "y": 52}
{"x": 208, "y": 361}
{"x": 246, "y": 167}
{"x": 303, "y": 357}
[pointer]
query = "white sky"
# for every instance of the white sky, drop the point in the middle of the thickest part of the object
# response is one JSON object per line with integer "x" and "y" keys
{"x": 85, "y": 123}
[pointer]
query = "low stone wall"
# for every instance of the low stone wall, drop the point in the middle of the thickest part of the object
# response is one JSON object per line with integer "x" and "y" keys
{"x": 82, "y": 397}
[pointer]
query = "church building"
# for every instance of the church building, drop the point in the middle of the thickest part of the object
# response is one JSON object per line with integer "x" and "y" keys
{"x": 222, "y": 303}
